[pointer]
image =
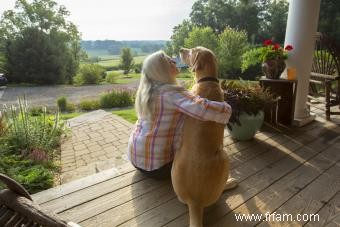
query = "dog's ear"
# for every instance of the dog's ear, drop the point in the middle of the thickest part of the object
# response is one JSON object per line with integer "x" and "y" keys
{"x": 205, "y": 61}
{"x": 202, "y": 60}
{"x": 197, "y": 63}
{"x": 211, "y": 63}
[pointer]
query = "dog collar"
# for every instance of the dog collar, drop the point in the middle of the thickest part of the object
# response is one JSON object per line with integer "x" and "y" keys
{"x": 214, "y": 79}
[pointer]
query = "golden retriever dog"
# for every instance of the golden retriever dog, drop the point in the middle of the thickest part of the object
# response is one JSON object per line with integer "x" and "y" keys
{"x": 200, "y": 169}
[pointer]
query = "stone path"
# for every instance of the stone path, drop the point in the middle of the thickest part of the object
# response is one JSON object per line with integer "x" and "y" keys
{"x": 97, "y": 141}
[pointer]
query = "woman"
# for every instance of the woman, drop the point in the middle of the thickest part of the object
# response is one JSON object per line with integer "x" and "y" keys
{"x": 161, "y": 105}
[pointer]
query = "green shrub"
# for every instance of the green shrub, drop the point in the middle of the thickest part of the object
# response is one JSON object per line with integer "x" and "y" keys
{"x": 202, "y": 36}
{"x": 33, "y": 176}
{"x": 28, "y": 145}
{"x": 36, "y": 111}
{"x": 232, "y": 44}
{"x": 188, "y": 84}
{"x": 185, "y": 73}
{"x": 90, "y": 74}
{"x": 253, "y": 72}
{"x": 77, "y": 80}
{"x": 70, "y": 107}
{"x": 111, "y": 77}
{"x": 116, "y": 99}
{"x": 3, "y": 124}
{"x": 27, "y": 133}
{"x": 89, "y": 105}
{"x": 62, "y": 103}
{"x": 111, "y": 68}
{"x": 251, "y": 58}
{"x": 137, "y": 68}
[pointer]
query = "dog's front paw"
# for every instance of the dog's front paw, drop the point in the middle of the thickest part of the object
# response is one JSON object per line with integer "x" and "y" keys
{"x": 230, "y": 184}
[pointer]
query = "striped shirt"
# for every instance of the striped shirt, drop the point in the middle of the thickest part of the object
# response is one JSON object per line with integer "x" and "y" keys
{"x": 152, "y": 143}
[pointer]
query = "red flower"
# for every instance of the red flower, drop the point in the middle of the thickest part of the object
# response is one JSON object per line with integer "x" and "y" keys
{"x": 289, "y": 47}
{"x": 276, "y": 46}
{"x": 268, "y": 42}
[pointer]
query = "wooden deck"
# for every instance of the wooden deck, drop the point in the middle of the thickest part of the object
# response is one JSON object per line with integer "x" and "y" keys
{"x": 283, "y": 171}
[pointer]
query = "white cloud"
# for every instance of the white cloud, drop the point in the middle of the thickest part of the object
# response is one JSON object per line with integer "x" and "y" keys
{"x": 123, "y": 19}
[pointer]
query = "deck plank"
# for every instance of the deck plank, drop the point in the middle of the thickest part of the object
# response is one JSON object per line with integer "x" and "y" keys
{"x": 278, "y": 193}
{"x": 119, "y": 215}
{"x": 108, "y": 215}
{"x": 93, "y": 210}
{"x": 276, "y": 171}
{"x": 289, "y": 147}
{"x": 329, "y": 215}
{"x": 89, "y": 208}
{"x": 69, "y": 201}
{"x": 312, "y": 198}
{"x": 111, "y": 200}
{"x": 90, "y": 193}
{"x": 62, "y": 190}
{"x": 270, "y": 173}
{"x": 254, "y": 171}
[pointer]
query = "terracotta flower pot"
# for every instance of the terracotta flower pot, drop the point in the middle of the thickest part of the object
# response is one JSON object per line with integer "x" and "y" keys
{"x": 273, "y": 68}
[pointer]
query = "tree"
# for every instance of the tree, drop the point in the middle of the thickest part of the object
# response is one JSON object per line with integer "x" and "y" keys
{"x": 216, "y": 14}
{"x": 232, "y": 44}
{"x": 247, "y": 18}
{"x": 180, "y": 33}
{"x": 202, "y": 37}
{"x": 275, "y": 21}
{"x": 39, "y": 58}
{"x": 59, "y": 50}
{"x": 169, "y": 49}
{"x": 329, "y": 19}
{"x": 219, "y": 14}
{"x": 2, "y": 58}
{"x": 126, "y": 60}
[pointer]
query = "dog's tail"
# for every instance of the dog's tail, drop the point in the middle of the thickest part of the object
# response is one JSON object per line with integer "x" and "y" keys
{"x": 196, "y": 214}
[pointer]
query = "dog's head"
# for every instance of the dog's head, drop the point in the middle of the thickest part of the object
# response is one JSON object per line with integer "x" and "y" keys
{"x": 200, "y": 59}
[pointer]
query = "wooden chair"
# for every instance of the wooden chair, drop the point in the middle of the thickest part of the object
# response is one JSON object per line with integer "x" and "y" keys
{"x": 18, "y": 209}
{"x": 325, "y": 75}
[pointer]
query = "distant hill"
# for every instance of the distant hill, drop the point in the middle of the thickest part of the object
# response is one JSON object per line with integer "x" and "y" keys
{"x": 111, "y": 47}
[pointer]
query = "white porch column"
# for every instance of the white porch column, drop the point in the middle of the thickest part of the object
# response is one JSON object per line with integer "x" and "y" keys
{"x": 303, "y": 16}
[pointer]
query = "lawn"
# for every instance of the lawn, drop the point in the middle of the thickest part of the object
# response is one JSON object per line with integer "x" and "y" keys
{"x": 66, "y": 116}
{"x": 127, "y": 114}
{"x": 114, "y": 60}
{"x": 101, "y": 53}
{"x": 126, "y": 79}
{"x": 134, "y": 77}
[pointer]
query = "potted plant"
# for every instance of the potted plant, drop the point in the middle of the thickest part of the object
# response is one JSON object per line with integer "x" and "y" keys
{"x": 271, "y": 55}
{"x": 247, "y": 101}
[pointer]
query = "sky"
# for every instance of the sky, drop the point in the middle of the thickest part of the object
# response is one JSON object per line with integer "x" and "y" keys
{"x": 123, "y": 19}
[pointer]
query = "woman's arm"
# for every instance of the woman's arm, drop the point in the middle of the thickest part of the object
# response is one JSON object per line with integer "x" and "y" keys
{"x": 199, "y": 108}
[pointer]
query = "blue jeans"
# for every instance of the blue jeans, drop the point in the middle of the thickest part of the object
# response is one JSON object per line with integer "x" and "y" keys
{"x": 162, "y": 173}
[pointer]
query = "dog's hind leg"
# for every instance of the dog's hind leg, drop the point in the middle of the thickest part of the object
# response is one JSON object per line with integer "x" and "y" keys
{"x": 230, "y": 184}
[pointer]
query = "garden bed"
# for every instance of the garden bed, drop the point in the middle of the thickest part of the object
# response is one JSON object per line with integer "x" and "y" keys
{"x": 29, "y": 146}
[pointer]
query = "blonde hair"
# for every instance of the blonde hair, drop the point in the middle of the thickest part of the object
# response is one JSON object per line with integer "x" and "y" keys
{"x": 155, "y": 74}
